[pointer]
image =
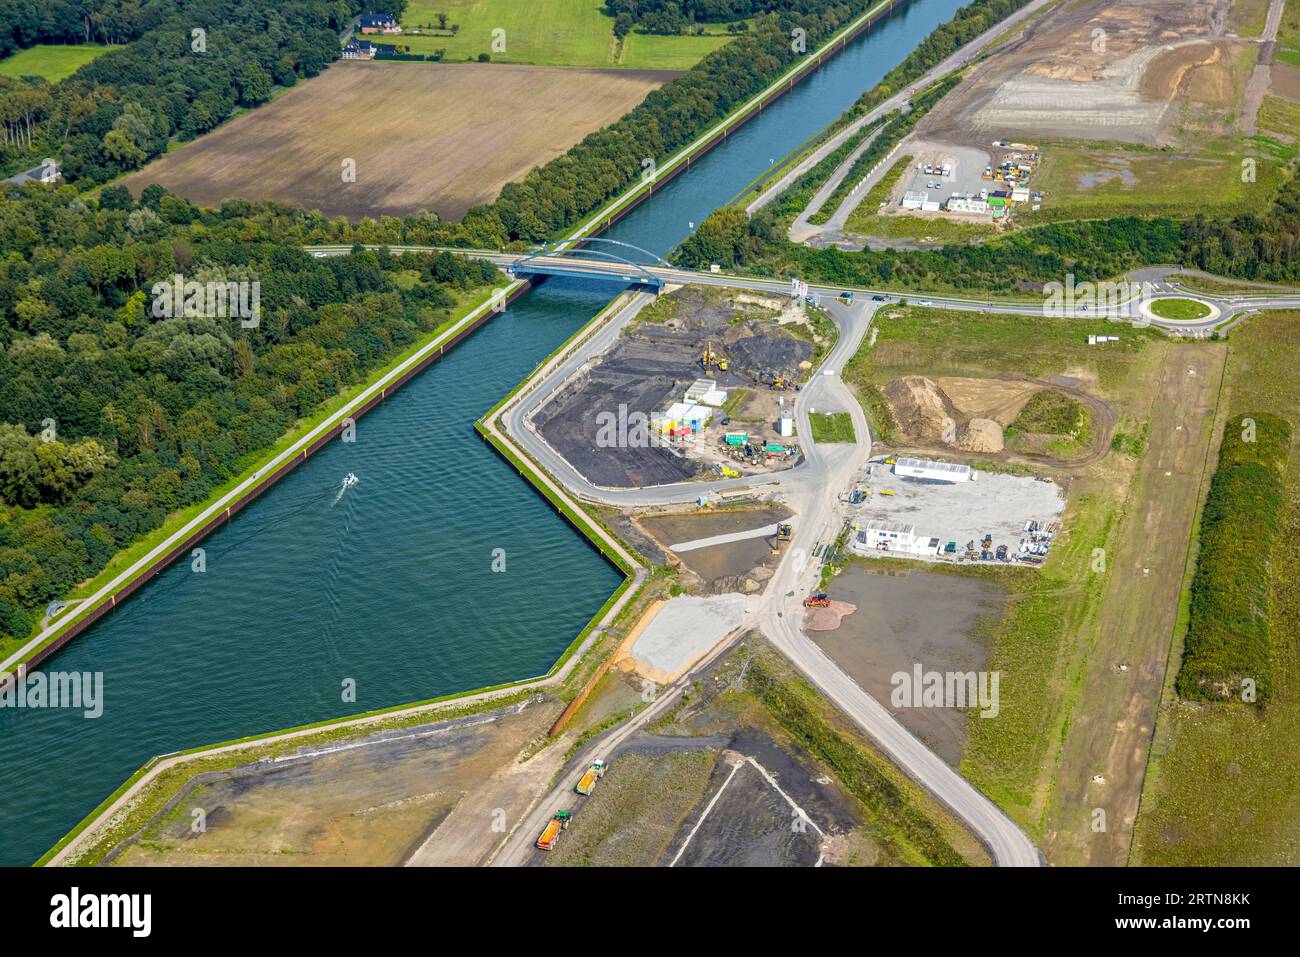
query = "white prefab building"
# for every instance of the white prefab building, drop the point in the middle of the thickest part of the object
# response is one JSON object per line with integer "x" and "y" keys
{"x": 933, "y": 471}
{"x": 785, "y": 424}
{"x": 966, "y": 204}
{"x": 886, "y": 536}
{"x": 913, "y": 199}
{"x": 699, "y": 389}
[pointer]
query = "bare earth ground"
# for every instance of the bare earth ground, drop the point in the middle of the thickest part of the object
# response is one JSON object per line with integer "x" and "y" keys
{"x": 689, "y": 790}
{"x": 1067, "y": 79}
{"x": 441, "y": 137}
{"x": 1113, "y": 720}
{"x": 375, "y": 802}
{"x": 908, "y": 617}
{"x": 720, "y": 567}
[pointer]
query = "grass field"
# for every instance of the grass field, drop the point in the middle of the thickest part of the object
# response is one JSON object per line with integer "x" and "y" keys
{"x": 935, "y": 229}
{"x": 1043, "y": 643}
{"x": 53, "y": 62}
{"x": 1223, "y": 787}
{"x": 544, "y": 32}
{"x": 832, "y": 427}
{"x": 1079, "y": 181}
{"x": 1246, "y": 18}
{"x": 447, "y": 137}
{"x": 1288, "y": 36}
{"x": 1179, "y": 309}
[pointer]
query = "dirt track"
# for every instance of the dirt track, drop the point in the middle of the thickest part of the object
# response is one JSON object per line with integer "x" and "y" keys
{"x": 1103, "y": 428}
{"x": 1096, "y": 69}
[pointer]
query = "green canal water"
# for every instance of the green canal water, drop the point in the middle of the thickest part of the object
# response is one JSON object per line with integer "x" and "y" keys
{"x": 389, "y": 586}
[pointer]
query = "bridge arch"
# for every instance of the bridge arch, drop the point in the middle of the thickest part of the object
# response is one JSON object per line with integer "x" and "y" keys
{"x": 576, "y": 249}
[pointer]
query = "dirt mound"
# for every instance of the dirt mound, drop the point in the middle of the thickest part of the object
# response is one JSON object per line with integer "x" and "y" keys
{"x": 828, "y": 618}
{"x": 752, "y": 350}
{"x": 920, "y": 407}
{"x": 980, "y": 435}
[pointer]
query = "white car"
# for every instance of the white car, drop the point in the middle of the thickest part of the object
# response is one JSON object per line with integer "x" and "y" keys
{"x": 925, "y": 302}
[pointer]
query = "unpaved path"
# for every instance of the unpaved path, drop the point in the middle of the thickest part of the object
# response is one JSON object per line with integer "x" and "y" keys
{"x": 1113, "y": 722}
{"x": 1103, "y": 428}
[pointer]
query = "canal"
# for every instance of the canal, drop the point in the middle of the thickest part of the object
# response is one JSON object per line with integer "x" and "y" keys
{"x": 390, "y": 587}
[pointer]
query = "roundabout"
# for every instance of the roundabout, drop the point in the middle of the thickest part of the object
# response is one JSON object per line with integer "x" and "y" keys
{"x": 1179, "y": 309}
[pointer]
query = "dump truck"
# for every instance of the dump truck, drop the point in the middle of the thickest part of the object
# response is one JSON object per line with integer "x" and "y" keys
{"x": 820, "y": 600}
{"x": 551, "y": 833}
{"x": 594, "y": 774}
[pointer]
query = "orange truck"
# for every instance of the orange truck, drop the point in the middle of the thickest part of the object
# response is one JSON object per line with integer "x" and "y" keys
{"x": 594, "y": 774}
{"x": 551, "y": 833}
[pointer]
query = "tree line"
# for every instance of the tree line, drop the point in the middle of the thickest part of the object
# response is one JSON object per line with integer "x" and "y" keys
{"x": 186, "y": 68}
{"x": 1228, "y": 651}
{"x": 113, "y": 417}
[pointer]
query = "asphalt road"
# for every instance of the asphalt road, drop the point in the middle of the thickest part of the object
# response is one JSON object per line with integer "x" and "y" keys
{"x": 811, "y": 490}
{"x": 959, "y": 59}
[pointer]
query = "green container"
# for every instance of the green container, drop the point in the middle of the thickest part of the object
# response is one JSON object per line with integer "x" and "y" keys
{"x": 736, "y": 438}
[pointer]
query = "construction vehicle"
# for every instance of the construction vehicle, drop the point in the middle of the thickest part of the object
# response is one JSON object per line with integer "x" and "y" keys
{"x": 594, "y": 774}
{"x": 551, "y": 833}
{"x": 889, "y": 461}
{"x": 857, "y": 497}
{"x": 784, "y": 531}
{"x": 820, "y": 600}
{"x": 709, "y": 359}
{"x": 886, "y": 491}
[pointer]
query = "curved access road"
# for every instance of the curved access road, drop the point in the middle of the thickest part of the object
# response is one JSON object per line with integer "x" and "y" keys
{"x": 811, "y": 490}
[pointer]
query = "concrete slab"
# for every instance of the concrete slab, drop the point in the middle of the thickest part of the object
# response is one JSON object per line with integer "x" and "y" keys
{"x": 683, "y": 631}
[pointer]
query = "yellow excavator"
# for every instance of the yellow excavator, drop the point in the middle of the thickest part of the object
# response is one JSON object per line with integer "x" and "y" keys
{"x": 710, "y": 359}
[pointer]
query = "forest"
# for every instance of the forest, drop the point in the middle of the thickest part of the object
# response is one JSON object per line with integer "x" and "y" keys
{"x": 187, "y": 67}
{"x": 113, "y": 417}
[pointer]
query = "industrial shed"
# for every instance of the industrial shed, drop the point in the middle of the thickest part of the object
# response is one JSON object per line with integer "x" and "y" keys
{"x": 933, "y": 471}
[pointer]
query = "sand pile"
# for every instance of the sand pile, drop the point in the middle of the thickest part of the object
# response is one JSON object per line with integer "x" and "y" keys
{"x": 920, "y": 407}
{"x": 980, "y": 435}
{"x": 828, "y": 618}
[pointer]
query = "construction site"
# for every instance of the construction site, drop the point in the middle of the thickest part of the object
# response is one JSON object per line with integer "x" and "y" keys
{"x": 1101, "y": 100}
{"x": 732, "y": 548}
{"x": 699, "y": 382}
{"x": 946, "y": 415}
{"x": 947, "y": 512}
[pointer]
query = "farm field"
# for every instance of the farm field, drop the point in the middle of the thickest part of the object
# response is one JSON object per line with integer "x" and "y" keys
{"x": 54, "y": 62}
{"x": 546, "y": 33}
{"x": 1014, "y": 759}
{"x": 1223, "y": 785}
{"x": 448, "y": 137}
